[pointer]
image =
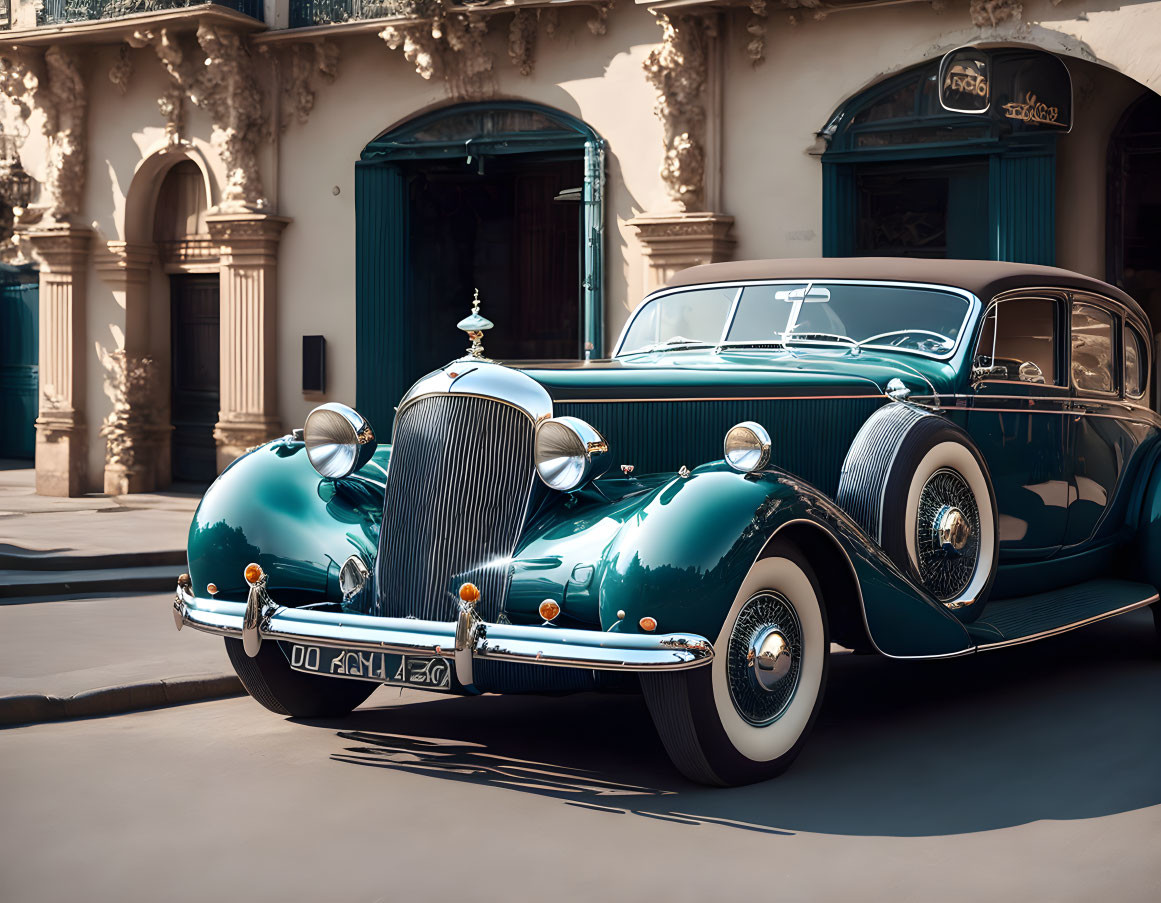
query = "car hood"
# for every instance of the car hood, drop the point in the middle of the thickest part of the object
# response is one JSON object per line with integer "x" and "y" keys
{"x": 742, "y": 372}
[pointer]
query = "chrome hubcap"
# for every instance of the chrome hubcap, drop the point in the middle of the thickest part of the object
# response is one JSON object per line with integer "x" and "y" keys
{"x": 764, "y": 658}
{"x": 770, "y": 659}
{"x": 953, "y": 529}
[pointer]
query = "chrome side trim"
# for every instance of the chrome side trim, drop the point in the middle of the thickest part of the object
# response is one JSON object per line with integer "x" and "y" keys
{"x": 548, "y": 646}
{"x": 871, "y": 395}
{"x": 1019, "y": 641}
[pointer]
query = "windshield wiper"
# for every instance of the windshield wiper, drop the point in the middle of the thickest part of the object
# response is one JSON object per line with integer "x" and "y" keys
{"x": 755, "y": 343}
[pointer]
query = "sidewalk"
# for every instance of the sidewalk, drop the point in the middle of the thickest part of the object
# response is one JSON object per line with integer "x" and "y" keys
{"x": 105, "y": 647}
{"x": 92, "y": 526}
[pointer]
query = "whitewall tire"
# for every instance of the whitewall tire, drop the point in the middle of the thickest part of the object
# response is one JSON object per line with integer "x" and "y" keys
{"x": 745, "y": 717}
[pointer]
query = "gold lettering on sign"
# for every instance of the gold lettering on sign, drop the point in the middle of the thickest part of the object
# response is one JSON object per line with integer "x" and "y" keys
{"x": 966, "y": 81}
{"x": 1032, "y": 110}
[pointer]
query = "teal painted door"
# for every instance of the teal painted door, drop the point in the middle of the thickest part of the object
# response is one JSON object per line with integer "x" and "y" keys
{"x": 18, "y": 369}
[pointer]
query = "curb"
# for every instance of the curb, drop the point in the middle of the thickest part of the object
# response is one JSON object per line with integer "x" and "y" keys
{"x": 35, "y": 708}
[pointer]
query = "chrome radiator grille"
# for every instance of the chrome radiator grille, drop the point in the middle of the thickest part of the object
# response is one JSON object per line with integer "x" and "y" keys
{"x": 459, "y": 485}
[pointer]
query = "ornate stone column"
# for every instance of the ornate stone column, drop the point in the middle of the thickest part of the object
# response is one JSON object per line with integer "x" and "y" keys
{"x": 685, "y": 69}
{"x": 248, "y": 248}
{"x": 63, "y": 251}
{"x": 136, "y": 434}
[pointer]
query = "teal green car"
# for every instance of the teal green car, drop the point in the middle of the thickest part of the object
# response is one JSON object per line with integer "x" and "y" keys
{"x": 913, "y": 458}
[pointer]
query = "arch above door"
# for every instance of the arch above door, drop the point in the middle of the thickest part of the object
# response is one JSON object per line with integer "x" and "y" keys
{"x": 455, "y": 144}
{"x": 965, "y": 185}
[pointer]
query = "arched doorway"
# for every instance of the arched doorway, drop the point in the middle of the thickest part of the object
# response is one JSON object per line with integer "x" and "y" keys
{"x": 505, "y": 197}
{"x": 1133, "y": 243}
{"x": 181, "y": 236}
{"x": 904, "y": 177}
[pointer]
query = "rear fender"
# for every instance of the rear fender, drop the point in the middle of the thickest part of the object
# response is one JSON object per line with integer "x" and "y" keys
{"x": 272, "y": 507}
{"x": 1149, "y": 519}
{"x": 683, "y": 555}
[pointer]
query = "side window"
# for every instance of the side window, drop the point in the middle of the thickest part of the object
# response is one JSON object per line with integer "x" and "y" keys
{"x": 1018, "y": 342}
{"x": 1093, "y": 351}
{"x": 1136, "y": 363}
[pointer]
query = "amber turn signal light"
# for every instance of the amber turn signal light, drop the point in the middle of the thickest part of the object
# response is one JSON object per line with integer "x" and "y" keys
{"x": 253, "y": 573}
{"x": 469, "y": 592}
{"x": 648, "y": 624}
{"x": 212, "y": 589}
{"x": 549, "y": 609}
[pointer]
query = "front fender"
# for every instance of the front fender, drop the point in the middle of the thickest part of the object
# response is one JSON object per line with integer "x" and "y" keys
{"x": 683, "y": 554}
{"x": 1148, "y": 520}
{"x": 272, "y": 507}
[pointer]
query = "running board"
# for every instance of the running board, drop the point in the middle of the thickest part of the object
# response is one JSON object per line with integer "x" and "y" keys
{"x": 1009, "y": 622}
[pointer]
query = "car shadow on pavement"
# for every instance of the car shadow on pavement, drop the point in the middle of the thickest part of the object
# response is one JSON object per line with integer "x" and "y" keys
{"x": 1067, "y": 728}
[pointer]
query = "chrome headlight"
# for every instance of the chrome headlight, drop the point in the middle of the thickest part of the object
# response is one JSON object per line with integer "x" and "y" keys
{"x": 338, "y": 440}
{"x": 747, "y": 447}
{"x": 569, "y": 453}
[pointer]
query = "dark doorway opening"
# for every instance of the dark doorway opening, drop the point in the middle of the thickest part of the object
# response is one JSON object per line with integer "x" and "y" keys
{"x": 495, "y": 225}
{"x": 195, "y": 401}
{"x": 19, "y": 354}
{"x": 923, "y": 209}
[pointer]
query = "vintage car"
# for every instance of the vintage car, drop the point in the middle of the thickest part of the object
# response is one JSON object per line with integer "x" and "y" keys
{"x": 914, "y": 458}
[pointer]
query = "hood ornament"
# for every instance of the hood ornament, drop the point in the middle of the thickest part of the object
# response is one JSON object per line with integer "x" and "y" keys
{"x": 474, "y": 326}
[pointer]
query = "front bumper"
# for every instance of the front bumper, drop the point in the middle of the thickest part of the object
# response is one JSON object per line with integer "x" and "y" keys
{"x": 462, "y": 640}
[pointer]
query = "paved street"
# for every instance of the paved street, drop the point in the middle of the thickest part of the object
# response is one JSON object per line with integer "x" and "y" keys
{"x": 1027, "y": 774}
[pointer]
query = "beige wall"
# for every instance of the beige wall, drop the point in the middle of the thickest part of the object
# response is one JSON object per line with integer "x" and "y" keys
{"x": 770, "y": 183}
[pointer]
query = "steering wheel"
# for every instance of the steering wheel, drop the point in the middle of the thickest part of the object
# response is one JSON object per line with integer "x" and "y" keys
{"x": 939, "y": 342}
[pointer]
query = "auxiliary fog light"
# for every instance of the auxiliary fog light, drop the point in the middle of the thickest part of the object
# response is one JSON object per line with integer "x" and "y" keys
{"x": 747, "y": 447}
{"x": 338, "y": 440}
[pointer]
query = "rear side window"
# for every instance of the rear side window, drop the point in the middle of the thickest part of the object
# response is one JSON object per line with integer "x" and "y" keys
{"x": 1136, "y": 363}
{"x": 1092, "y": 349}
{"x": 1018, "y": 342}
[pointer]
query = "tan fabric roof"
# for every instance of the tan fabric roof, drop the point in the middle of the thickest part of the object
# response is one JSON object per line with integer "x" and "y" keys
{"x": 983, "y": 278}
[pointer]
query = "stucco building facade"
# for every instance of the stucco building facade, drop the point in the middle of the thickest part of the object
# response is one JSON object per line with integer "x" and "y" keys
{"x": 214, "y": 188}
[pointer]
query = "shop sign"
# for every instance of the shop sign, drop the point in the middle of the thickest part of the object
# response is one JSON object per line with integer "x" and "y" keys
{"x": 1029, "y": 90}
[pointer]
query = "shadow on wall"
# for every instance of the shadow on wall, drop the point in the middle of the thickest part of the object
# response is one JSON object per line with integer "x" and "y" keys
{"x": 1063, "y": 729}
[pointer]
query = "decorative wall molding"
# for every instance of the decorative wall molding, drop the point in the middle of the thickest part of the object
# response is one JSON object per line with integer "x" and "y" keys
{"x": 672, "y": 242}
{"x": 678, "y": 69}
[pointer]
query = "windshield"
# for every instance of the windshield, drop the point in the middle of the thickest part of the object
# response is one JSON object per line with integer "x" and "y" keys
{"x": 898, "y": 317}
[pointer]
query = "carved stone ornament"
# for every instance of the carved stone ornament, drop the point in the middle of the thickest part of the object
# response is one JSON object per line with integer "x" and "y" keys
{"x": 53, "y": 84}
{"x": 227, "y": 89}
{"x": 522, "y": 40}
{"x": 677, "y": 69}
{"x": 122, "y": 70}
{"x": 990, "y": 13}
{"x": 450, "y": 45}
{"x": 64, "y": 100}
{"x": 182, "y": 75}
{"x": 302, "y": 63}
{"x": 131, "y": 428}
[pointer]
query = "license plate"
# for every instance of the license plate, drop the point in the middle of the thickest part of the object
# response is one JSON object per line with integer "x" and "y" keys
{"x": 380, "y": 667}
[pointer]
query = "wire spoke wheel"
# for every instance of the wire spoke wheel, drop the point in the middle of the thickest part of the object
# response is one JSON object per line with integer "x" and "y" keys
{"x": 947, "y": 534}
{"x": 761, "y": 694}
